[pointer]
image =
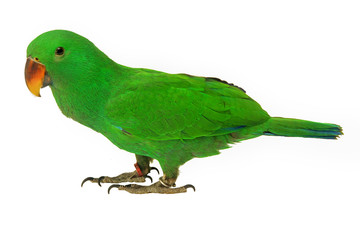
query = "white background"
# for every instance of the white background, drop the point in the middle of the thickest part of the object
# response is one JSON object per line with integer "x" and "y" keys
{"x": 296, "y": 58}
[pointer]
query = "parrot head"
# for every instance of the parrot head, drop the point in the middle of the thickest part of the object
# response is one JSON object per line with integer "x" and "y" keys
{"x": 54, "y": 59}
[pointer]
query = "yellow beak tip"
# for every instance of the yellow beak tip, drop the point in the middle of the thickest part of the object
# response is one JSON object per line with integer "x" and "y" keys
{"x": 37, "y": 94}
{"x": 34, "y": 76}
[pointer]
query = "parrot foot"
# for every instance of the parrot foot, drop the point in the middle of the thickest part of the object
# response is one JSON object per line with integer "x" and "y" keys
{"x": 124, "y": 177}
{"x": 158, "y": 187}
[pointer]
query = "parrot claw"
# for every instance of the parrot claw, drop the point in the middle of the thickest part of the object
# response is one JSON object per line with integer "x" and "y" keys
{"x": 189, "y": 186}
{"x": 100, "y": 179}
{"x": 149, "y": 178}
{"x": 154, "y": 168}
{"x": 113, "y": 186}
{"x": 87, "y": 179}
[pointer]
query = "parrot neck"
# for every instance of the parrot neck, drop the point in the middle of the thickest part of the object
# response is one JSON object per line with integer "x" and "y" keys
{"x": 85, "y": 100}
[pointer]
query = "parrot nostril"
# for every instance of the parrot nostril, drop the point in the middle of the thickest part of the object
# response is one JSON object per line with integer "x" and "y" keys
{"x": 36, "y": 59}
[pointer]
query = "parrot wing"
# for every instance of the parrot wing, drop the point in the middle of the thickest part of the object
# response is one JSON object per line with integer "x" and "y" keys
{"x": 161, "y": 106}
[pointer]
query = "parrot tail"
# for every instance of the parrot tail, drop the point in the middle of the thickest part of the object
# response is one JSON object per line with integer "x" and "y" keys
{"x": 289, "y": 127}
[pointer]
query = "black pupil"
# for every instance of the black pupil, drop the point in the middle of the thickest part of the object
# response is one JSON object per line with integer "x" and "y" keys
{"x": 59, "y": 51}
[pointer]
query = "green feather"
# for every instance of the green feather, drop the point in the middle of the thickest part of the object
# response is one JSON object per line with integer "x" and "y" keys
{"x": 169, "y": 117}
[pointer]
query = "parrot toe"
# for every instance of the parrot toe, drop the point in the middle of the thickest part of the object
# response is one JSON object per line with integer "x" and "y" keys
{"x": 124, "y": 177}
{"x": 157, "y": 187}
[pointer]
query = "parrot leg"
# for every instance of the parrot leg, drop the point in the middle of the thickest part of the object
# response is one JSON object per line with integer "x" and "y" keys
{"x": 142, "y": 166}
{"x": 164, "y": 185}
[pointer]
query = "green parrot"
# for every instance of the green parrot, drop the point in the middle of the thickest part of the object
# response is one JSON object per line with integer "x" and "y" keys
{"x": 155, "y": 115}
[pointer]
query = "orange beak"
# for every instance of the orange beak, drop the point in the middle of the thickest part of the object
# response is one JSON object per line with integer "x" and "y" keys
{"x": 35, "y": 76}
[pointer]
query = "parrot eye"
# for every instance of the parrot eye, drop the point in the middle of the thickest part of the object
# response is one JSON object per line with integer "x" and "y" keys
{"x": 59, "y": 51}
